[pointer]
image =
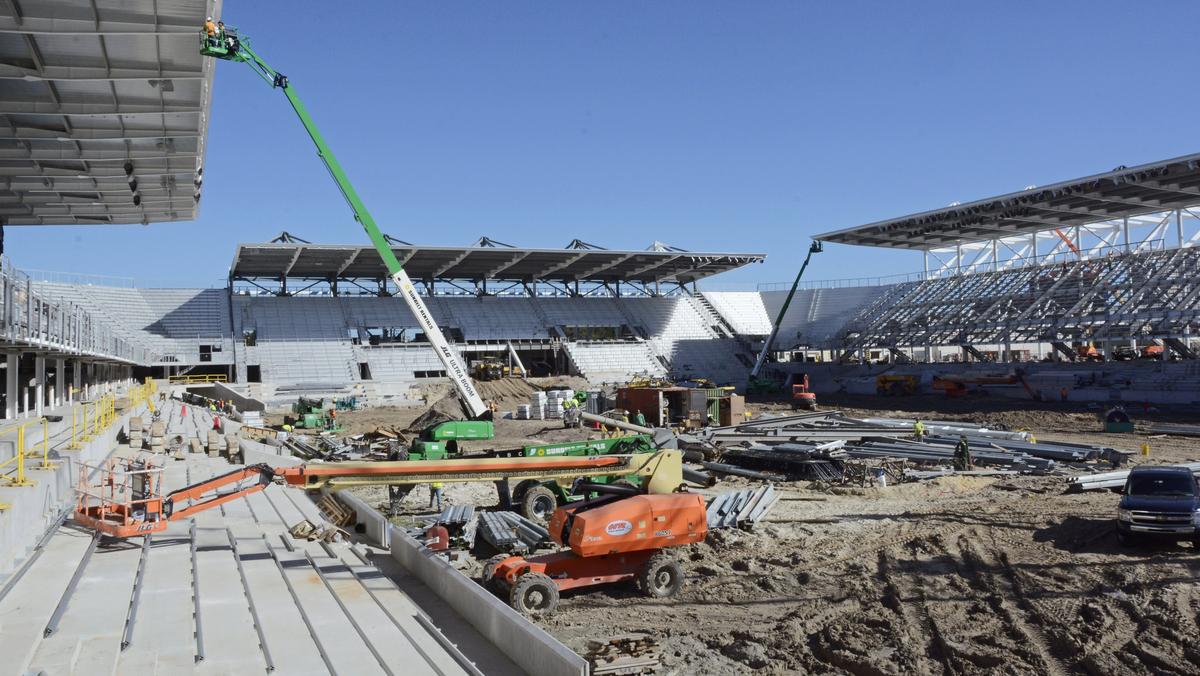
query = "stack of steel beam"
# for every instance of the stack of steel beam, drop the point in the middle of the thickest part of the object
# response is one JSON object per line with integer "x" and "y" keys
{"x": 1115, "y": 479}
{"x": 507, "y": 531}
{"x": 944, "y": 427}
{"x": 456, "y": 515}
{"x": 741, "y": 509}
{"x": 935, "y": 454}
{"x": 1175, "y": 429}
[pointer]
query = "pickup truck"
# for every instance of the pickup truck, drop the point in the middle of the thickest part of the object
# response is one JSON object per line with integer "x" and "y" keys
{"x": 1159, "y": 502}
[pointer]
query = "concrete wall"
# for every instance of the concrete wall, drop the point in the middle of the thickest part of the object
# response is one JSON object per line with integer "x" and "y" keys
{"x": 35, "y": 508}
{"x": 526, "y": 644}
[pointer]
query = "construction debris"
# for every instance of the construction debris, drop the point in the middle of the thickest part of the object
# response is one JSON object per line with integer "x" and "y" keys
{"x": 626, "y": 655}
{"x": 884, "y": 472}
{"x": 741, "y": 509}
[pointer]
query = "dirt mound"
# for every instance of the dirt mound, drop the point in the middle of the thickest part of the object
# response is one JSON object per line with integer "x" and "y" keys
{"x": 447, "y": 408}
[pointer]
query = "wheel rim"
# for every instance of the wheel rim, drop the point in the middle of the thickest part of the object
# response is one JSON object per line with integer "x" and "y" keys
{"x": 664, "y": 579}
{"x": 542, "y": 507}
{"x": 536, "y": 599}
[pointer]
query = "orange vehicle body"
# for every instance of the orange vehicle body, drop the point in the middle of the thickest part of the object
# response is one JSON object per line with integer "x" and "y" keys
{"x": 611, "y": 542}
{"x": 123, "y": 497}
{"x": 802, "y": 397}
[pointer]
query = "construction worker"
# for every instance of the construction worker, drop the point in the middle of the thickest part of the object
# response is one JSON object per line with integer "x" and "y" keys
{"x": 640, "y": 419}
{"x": 436, "y": 490}
{"x": 1062, "y": 394}
{"x": 287, "y": 427}
{"x": 962, "y": 455}
{"x": 217, "y": 423}
{"x": 210, "y": 28}
{"x": 919, "y": 430}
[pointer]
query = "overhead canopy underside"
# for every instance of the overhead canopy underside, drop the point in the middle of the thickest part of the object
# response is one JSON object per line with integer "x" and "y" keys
{"x": 1149, "y": 188}
{"x": 104, "y": 108}
{"x": 321, "y": 261}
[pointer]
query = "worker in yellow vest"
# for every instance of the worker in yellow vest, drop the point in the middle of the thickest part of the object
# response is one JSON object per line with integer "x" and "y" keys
{"x": 436, "y": 490}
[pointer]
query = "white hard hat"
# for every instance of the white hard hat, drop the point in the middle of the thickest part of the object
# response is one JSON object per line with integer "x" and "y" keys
{"x": 209, "y": 19}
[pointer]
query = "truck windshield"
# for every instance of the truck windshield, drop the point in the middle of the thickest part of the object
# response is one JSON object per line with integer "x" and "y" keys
{"x": 1161, "y": 484}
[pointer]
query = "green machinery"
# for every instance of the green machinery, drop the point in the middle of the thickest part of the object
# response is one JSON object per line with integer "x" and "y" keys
{"x": 537, "y": 500}
{"x": 310, "y": 414}
{"x": 758, "y": 384}
{"x": 444, "y": 439}
{"x": 230, "y": 45}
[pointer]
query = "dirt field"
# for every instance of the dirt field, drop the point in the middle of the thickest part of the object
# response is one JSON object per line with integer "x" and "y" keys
{"x": 956, "y": 575}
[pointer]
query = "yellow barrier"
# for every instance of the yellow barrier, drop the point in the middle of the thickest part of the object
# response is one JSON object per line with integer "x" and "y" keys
{"x": 198, "y": 379}
{"x": 19, "y": 455}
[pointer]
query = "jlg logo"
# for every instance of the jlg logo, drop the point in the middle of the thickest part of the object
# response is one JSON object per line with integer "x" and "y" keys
{"x": 618, "y": 527}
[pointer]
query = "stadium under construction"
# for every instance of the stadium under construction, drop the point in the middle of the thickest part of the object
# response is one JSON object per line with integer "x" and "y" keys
{"x": 1036, "y": 318}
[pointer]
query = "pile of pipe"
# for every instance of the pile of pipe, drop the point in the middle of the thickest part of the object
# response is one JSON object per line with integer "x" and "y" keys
{"x": 807, "y": 445}
{"x": 940, "y": 451}
{"x": 741, "y": 509}
{"x": 511, "y": 532}
{"x": 1110, "y": 480}
{"x": 1175, "y": 429}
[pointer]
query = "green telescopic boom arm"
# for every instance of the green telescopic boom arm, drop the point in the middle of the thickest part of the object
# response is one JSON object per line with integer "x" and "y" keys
{"x": 459, "y": 376}
{"x": 762, "y": 356}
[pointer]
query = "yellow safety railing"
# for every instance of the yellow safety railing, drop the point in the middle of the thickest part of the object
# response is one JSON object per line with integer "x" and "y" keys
{"x": 198, "y": 379}
{"x": 16, "y": 476}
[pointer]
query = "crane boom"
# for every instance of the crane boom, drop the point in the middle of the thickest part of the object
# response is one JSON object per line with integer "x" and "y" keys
{"x": 232, "y": 47}
{"x": 766, "y": 349}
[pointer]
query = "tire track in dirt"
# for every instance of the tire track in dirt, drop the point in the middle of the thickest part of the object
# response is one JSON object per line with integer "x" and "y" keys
{"x": 999, "y": 587}
{"x": 918, "y": 623}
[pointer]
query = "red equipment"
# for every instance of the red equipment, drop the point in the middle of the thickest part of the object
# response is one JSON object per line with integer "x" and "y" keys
{"x": 801, "y": 396}
{"x": 609, "y": 541}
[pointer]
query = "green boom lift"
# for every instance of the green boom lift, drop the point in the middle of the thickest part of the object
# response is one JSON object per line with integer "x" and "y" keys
{"x": 768, "y": 386}
{"x": 231, "y": 46}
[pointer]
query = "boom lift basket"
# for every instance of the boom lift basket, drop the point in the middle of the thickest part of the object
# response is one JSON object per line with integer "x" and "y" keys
{"x": 122, "y": 497}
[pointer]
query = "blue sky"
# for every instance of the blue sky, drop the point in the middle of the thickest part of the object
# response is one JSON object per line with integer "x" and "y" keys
{"x": 707, "y": 125}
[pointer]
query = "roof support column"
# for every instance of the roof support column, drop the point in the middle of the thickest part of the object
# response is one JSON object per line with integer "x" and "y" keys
{"x": 1125, "y": 233}
{"x": 958, "y": 257}
{"x": 1033, "y": 248}
{"x": 76, "y": 379}
{"x": 1078, "y": 243}
{"x": 11, "y": 366}
{"x": 1178, "y": 232}
{"x": 925, "y": 255}
{"x": 60, "y": 382}
{"x": 995, "y": 255}
{"x": 39, "y": 384}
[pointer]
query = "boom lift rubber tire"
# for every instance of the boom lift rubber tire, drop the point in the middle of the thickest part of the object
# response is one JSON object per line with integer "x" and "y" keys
{"x": 661, "y": 577}
{"x": 518, "y": 492}
{"x": 534, "y": 595}
{"x": 538, "y": 504}
{"x": 488, "y": 578}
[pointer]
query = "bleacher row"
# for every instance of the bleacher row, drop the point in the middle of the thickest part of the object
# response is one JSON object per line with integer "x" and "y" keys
{"x": 309, "y": 338}
{"x": 305, "y": 339}
{"x": 173, "y": 323}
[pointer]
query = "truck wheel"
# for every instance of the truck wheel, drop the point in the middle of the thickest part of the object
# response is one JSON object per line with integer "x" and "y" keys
{"x": 488, "y": 577}
{"x": 518, "y": 491}
{"x": 534, "y": 595}
{"x": 538, "y": 504}
{"x": 661, "y": 577}
{"x": 1125, "y": 539}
